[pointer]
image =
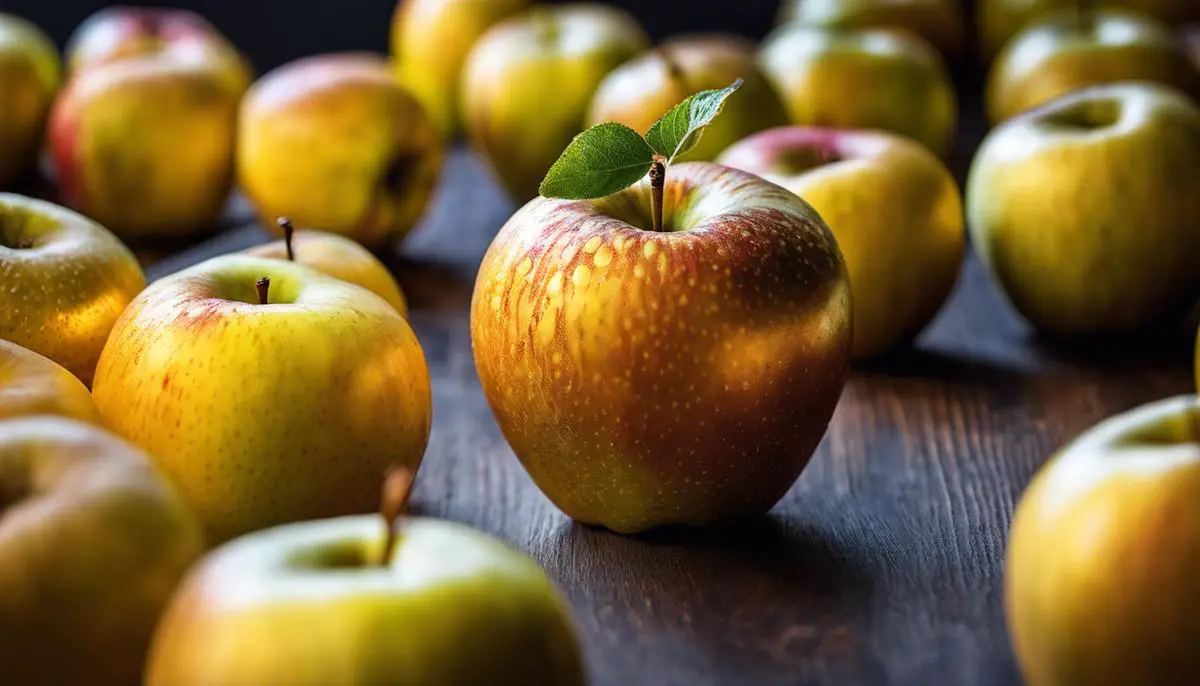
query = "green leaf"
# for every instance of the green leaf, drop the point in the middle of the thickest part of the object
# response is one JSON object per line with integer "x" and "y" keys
{"x": 606, "y": 158}
{"x": 680, "y": 129}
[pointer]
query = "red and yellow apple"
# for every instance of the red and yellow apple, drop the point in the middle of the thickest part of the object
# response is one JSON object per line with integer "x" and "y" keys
{"x": 337, "y": 144}
{"x": 31, "y": 384}
{"x": 646, "y": 378}
{"x": 642, "y": 90}
{"x": 1000, "y": 20}
{"x": 29, "y": 75}
{"x": 941, "y": 22}
{"x": 892, "y": 205}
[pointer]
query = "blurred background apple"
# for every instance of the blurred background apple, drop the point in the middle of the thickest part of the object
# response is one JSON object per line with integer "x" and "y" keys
{"x": 29, "y": 75}
{"x": 941, "y": 22}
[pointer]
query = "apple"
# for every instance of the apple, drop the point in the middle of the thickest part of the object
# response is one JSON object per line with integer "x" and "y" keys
{"x": 268, "y": 391}
{"x": 894, "y": 209}
{"x": 141, "y": 138}
{"x": 430, "y": 41}
{"x": 29, "y": 75}
{"x": 529, "y": 80}
{"x": 66, "y": 280}
{"x": 31, "y": 384}
{"x": 941, "y": 22}
{"x": 336, "y": 256}
{"x": 1192, "y": 38}
{"x": 1085, "y": 210}
{"x": 352, "y": 601}
{"x": 371, "y": 157}
{"x": 1102, "y": 554}
{"x": 640, "y": 91}
{"x": 867, "y": 79}
{"x": 1069, "y": 50}
{"x": 92, "y": 543}
{"x": 646, "y": 378}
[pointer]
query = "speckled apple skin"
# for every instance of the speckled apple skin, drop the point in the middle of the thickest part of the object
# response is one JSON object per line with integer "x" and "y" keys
{"x": 648, "y": 378}
{"x": 266, "y": 414}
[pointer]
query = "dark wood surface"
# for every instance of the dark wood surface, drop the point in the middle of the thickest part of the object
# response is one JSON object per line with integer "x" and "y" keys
{"x": 883, "y": 563}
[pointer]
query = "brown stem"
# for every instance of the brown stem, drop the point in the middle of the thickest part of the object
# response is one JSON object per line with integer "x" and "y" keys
{"x": 25, "y": 244}
{"x": 263, "y": 286}
{"x": 397, "y": 487}
{"x": 658, "y": 179}
{"x": 286, "y": 224}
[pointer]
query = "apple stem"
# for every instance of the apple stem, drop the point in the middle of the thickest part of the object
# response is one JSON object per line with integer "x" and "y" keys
{"x": 658, "y": 179}
{"x": 263, "y": 286}
{"x": 286, "y": 224}
{"x": 397, "y": 487}
{"x": 24, "y": 244}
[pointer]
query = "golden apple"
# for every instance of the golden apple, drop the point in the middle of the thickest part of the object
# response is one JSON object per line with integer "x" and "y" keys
{"x": 1066, "y": 51}
{"x": 869, "y": 79}
{"x": 894, "y": 209}
{"x": 64, "y": 279}
{"x": 92, "y": 544}
{"x": 1085, "y": 210}
{"x": 1000, "y": 20}
{"x": 646, "y": 378}
{"x": 34, "y": 385}
{"x": 642, "y": 90}
{"x": 336, "y": 143}
{"x": 430, "y": 42}
{"x": 266, "y": 413}
{"x": 1100, "y": 572}
{"x": 941, "y": 22}
{"x": 29, "y": 75}
{"x": 529, "y": 80}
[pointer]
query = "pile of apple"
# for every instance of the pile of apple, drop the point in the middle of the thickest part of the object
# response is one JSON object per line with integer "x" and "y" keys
{"x": 711, "y": 231}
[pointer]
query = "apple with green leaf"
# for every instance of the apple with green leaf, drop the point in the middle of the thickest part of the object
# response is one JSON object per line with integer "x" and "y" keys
{"x": 661, "y": 344}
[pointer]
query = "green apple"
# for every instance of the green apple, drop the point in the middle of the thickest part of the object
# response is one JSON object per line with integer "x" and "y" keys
{"x": 1085, "y": 210}
{"x": 868, "y": 79}
{"x": 1100, "y": 571}
{"x": 640, "y": 91}
{"x": 1000, "y": 20}
{"x": 34, "y": 385}
{"x": 29, "y": 75}
{"x": 1069, "y": 50}
{"x": 65, "y": 280}
{"x": 529, "y": 80}
{"x": 92, "y": 543}
{"x": 268, "y": 391}
{"x": 430, "y": 41}
{"x": 941, "y": 22}
{"x": 892, "y": 205}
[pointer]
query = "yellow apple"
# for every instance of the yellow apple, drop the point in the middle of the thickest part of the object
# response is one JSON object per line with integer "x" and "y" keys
{"x": 1067, "y": 50}
{"x": 266, "y": 413}
{"x": 1000, "y": 20}
{"x": 642, "y": 90}
{"x": 1085, "y": 210}
{"x": 892, "y": 205}
{"x": 29, "y": 75}
{"x": 869, "y": 79}
{"x": 34, "y": 385}
{"x": 92, "y": 544}
{"x": 529, "y": 80}
{"x": 1102, "y": 555}
{"x": 336, "y": 143}
{"x": 941, "y": 22}
{"x": 65, "y": 280}
{"x": 430, "y": 41}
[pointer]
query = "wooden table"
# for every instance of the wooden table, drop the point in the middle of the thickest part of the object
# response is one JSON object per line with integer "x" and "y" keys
{"x": 881, "y": 566}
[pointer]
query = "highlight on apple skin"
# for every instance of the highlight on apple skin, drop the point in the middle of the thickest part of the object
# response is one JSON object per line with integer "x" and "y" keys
{"x": 648, "y": 378}
{"x": 32, "y": 385}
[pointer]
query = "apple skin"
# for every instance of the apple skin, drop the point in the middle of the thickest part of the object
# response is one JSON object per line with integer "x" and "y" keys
{"x": 892, "y": 205}
{"x": 141, "y": 138}
{"x": 94, "y": 543}
{"x": 31, "y": 384}
{"x": 371, "y": 157}
{"x": 1055, "y": 56}
{"x": 1105, "y": 180}
{"x": 298, "y": 405}
{"x": 530, "y": 79}
{"x": 430, "y": 41}
{"x": 307, "y": 604}
{"x": 868, "y": 79}
{"x": 1100, "y": 571}
{"x": 67, "y": 287}
{"x": 941, "y": 22}
{"x": 624, "y": 365}
{"x": 29, "y": 78}
{"x": 642, "y": 90}
{"x": 341, "y": 258}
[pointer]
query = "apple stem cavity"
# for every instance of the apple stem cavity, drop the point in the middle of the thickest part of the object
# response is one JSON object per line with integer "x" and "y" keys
{"x": 263, "y": 286}
{"x": 658, "y": 179}
{"x": 397, "y": 487}
{"x": 674, "y": 72}
{"x": 288, "y": 230}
